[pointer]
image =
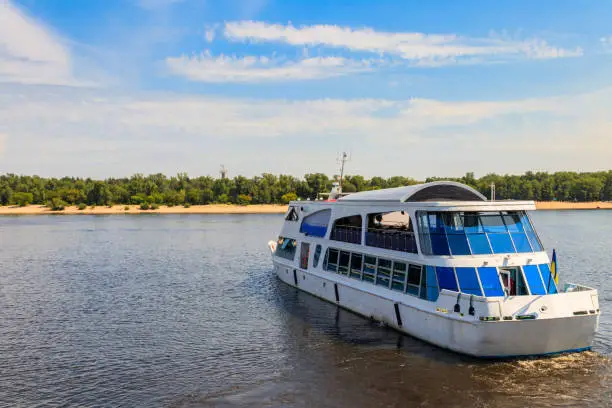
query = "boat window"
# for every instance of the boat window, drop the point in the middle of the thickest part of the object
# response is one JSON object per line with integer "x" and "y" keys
{"x": 399, "y": 276}
{"x": 391, "y": 230}
{"x": 383, "y": 272}
{"x": 423, "y": 288}
{"x": 432, "y": 284}
{"x": 285, "y": 248}
{"x": 446, "y": 278}
{"x": 292, "y": 215}
{"x": 490, "y": 281}
{"x": 356, "y": 263}
{"x": 476, "y": 233}
{"x": 369, "y": 268}
{"x": 304, "y": 255}
{"x": 343, "y": 264}
{"x": 513, "y": 282}
{"x": 531, "y": 234}
{"x": 332, "y": 260}
{"x": 317, "y": 255}
{"x": 547, "y": 278}
{"x": 315, "y": 224}
{"x": 468, "y": 281}
{"x": 534, "y": 280}
{"x": 414, "y": 280}
{"x": 347, "y": 229}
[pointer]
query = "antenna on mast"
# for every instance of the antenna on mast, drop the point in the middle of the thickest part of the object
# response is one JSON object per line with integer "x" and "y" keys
{"x": 344, "y": 157}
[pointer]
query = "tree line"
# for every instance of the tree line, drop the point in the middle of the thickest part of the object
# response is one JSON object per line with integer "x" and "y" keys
{"x": 158, "y": 189}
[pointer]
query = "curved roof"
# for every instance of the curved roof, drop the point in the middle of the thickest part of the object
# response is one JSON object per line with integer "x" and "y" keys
{"x": 434, "y": 191}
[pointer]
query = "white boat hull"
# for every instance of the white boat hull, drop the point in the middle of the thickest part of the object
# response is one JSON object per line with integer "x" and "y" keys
{"x": 436, "y": 323}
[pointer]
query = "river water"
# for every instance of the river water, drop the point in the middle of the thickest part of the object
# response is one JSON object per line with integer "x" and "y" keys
{"x": 183, "y": 311}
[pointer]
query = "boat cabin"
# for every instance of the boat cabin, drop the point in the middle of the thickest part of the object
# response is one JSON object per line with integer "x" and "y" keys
{"x": 420, "y": 240}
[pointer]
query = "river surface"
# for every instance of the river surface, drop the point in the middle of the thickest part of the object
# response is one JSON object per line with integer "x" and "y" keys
{"x": 183, "y": 311}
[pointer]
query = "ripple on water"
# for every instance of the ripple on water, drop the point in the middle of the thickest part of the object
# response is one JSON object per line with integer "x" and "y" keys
{"x": 184, "y": 311}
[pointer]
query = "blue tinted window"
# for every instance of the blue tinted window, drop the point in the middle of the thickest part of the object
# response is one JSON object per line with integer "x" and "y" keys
{"x": 534, "y": 280}
{"x": 521, "y": 242}
{"x": 490, "y": 281}
{"x": 493, "y": 222}
{"x": 468, "y": 281}
{"x": 458, "y": 244}
{"x": 547, "y": 277}
{"x": 513, "y": 222}
{"x": 439, "y": 244}
{"x": 533, "y": 239}
{"x": 501, "y": 243}
{"x": 432, "y": 284}
{"x": 479, "y": 244}
{"x": 446, "y": 278}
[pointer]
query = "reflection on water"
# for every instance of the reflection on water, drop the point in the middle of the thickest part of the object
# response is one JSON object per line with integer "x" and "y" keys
{"x": 183, "y": 311}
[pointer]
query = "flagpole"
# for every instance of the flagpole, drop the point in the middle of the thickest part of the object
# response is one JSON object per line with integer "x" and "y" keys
{"x": 550, "y": 274}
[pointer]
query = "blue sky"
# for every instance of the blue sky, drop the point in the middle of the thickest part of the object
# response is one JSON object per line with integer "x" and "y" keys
{"x": 109, "y": 88}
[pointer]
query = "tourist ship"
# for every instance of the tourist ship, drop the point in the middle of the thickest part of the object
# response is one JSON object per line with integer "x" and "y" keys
{"x": 440, "y": 262}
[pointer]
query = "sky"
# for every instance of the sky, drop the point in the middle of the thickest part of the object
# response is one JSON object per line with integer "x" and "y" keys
{"x": 109, "y": 88}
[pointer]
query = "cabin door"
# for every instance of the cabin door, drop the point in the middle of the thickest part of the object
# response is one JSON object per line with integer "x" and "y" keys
{"x": 513, "y": 281}
{"x": 304, "y": 254}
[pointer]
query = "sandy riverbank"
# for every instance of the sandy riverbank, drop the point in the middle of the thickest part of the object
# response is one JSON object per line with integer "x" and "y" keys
{"x": 135, "y": 209}
{"x": 238, "y": 209}
{"x": 563, "y": 205}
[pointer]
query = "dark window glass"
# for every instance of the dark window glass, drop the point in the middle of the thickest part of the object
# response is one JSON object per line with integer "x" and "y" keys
{"x": 292, "y": 215}
{"x": 369, "y": 268}
{"x": 383, "y": 272}
{"x": 432, "y": 284}
{"x": 446, "y": 278}
{"x": 423, "y": 290}
{"x": 356, "y": 262}
{"x": 399, "y": 276}
{"x": 343, "y": 265}
{"x": 332, "y": 262}
{"x": 285, "y": 248}
{"x": 317, "y": 255}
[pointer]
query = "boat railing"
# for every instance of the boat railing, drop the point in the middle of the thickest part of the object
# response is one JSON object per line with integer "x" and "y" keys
{"x": 390, "y": 238}
{"x": 346, "y": 233}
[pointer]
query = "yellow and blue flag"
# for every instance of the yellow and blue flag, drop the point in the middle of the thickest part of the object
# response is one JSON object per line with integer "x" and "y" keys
{"x": 553, "y": 267}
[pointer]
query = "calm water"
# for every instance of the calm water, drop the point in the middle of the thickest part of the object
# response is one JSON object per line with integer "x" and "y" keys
{"x": 183, "y": 311}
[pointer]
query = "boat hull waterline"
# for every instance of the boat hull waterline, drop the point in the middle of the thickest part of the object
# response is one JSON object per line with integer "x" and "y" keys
{"x": 458, "y": 331}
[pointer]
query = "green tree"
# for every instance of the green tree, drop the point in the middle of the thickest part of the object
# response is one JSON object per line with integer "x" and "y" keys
{"x": 23, "y": 199}
{"x": 286, "y": 198}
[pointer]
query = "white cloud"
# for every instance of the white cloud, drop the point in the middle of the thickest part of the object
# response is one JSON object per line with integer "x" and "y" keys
{"x": 209, "y": 34}
{"x": 434, "y": 49}
{"x": 207, "y": 68}
{"x": 29, "y": 52}
{"x": 73, "y": 131}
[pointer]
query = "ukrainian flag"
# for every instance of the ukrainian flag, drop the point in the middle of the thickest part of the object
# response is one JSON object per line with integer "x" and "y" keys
{"x": 553, "y": 267}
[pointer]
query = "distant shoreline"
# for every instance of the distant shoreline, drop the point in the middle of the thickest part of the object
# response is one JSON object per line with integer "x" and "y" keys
{"x": 240, "y": 209}
{"x": 135, "y": 209}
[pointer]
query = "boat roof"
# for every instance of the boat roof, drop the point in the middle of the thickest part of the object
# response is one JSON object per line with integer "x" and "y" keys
{"x": 427, "y": 192}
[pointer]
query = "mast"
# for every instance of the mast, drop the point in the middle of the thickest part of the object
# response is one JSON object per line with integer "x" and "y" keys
{"x": 342, "y": 160}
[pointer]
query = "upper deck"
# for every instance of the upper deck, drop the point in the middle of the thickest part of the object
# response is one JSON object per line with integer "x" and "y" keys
{"x": 438, "y": 195}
